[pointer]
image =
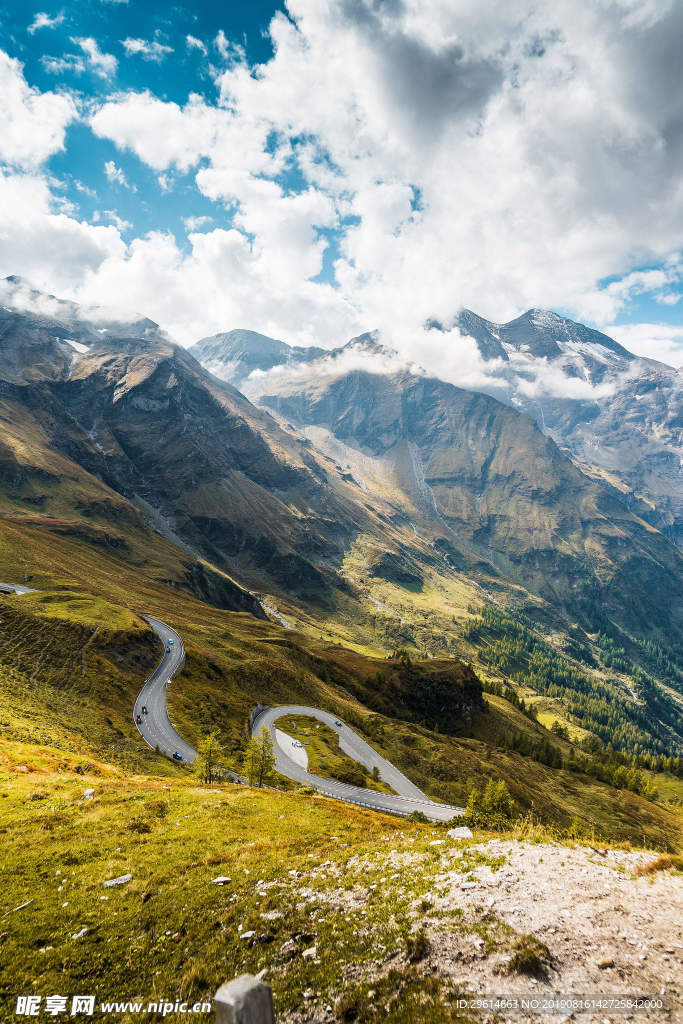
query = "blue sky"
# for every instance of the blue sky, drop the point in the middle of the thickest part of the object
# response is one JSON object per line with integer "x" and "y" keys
{"x": 172, "y": 75}
{"x": 320, "y": 167}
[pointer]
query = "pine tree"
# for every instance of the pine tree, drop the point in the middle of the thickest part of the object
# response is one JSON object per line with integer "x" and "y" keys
{"x": 266, "y": 756}
{"x": 209, "y": 761}
{"x": 259, "y": 758}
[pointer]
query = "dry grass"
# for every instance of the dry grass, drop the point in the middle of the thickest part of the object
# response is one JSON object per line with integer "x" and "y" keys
{"x": 662, "y": 863}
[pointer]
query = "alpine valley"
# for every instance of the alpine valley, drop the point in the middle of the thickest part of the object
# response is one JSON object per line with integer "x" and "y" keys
{"x": 480, "y": 574}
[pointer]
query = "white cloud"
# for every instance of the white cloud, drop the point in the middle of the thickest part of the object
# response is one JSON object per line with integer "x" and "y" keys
{"x": 58, "y": 65}
{"x": 196, "y": 223}
{"x": 220, "y": 281}
{"x": 663, "y": 342}
{"x": 103, "y": 64}
{"x": 85, "y": 189}
{"x": 148, "y": 49}
{"x": 162, "y": 134}
{"x": 115, "y": 175}
{"x": 43, "y": 20}
{"x": 119, "y": 223}
{"x": 193, "y": 43}
{"x": 33, "y": 123}
{"x": 659, "y": 282}
{"x": 51, "y": 250}
{"x": 228, "y": 50}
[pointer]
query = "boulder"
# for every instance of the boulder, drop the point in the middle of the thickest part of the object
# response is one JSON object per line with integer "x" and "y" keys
{"x": 461, "y": 832}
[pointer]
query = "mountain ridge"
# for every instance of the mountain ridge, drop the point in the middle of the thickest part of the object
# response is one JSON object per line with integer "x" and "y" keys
{"x": 616, "y": 414}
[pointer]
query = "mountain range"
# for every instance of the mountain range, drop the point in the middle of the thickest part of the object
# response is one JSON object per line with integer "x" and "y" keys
{"x": 331, "y": 474}
{"x": 352, "y": 507}
{"x": 618, "y": 416}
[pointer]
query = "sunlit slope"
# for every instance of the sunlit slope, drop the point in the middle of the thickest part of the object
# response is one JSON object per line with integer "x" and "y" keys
{"x": 73, "y": 657}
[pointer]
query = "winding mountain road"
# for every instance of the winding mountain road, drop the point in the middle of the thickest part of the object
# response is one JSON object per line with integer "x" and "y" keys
{"x": 407, "y": 797}
{"x": 156, "y": 729}
{"x": 155, "y": 726}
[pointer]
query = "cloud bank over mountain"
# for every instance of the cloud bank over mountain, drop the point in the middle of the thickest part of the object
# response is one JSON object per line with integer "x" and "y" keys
{"x": 390, "y": 163}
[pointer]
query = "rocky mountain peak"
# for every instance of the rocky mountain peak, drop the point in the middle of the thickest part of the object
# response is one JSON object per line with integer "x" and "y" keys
{"x": 234, "y": 355}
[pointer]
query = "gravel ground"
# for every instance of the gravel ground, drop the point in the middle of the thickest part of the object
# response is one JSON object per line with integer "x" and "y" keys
{"x": 610, "y": 932}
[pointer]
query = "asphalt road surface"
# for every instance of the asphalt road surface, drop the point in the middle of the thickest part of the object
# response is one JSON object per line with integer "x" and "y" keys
{"x": 155, "y": 725}
{"x": 407, "y": 797}
{"x": 15, "y": 588}
{"x": 292, "y": 748}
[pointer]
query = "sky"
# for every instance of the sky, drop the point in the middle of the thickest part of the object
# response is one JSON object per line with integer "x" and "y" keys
{"x": 318, "y": 168}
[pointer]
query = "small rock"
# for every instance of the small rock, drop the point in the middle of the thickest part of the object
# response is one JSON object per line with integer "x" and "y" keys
{"x": 121, "y": 880}
{"x": 88, "y": 794}
{"x": 437, "y": 842}
{"x": 604, "y": 964}
{"x": 221, "y": 880}
{"x": 247, "y": 935}
{"x": 79, "y": 935}
{"x": 461, "y": 832}
{"x": 310, "y": 953}
{"x": 21, "y": 768}
{"x": 309, "y": 994}
{"x": 468, "y": 885}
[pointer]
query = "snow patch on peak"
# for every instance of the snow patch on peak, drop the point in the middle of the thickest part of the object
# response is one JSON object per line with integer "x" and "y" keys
{"x": 81, "y": 349}
{"x": 545, "y": 318}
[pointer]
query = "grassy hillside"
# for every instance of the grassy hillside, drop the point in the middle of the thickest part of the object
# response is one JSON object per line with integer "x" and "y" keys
{"x": 170, "y": 931}
{"x": 352, "y": 888}
{"x": 74, "y": 655}
{"x": 325, "y": 756}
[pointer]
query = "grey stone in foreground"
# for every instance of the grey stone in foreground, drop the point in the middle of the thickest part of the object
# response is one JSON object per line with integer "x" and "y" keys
{"x": 461, "y": 832}
{"x": 246, "y": 1000}
{"x": 121, "y": 880}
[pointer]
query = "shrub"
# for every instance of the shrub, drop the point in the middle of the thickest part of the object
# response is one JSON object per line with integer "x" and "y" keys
{"x": 530, "y": 956}
{"x": 494, "y": 808}
{"x": 159, "y": 808}
{"x": 351, "y": 776}
{"x": 348, "y": 1007}
{"x": 138, "y": 825}
{"x": 417, "y": 946}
